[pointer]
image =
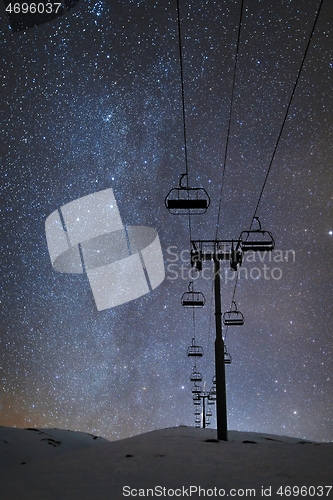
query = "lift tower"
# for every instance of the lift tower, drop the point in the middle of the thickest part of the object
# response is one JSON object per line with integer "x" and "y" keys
{"x": 255, "y": 240}
{"x": 217, "y": 250}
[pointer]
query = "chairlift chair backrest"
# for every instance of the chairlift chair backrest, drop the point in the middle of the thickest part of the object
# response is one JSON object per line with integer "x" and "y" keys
{"x": 233, "y": 317}
{"x": 196, "y": 376}
{"x": 187, "y": 200}
{"x": 192, "y": 298}
{"x": 257, "y": 240}
{"x": 211, "y": 398}
{"x": 212, "y": 394}
{"x": 227, "y": 356}
{"x": 195, "y": 350}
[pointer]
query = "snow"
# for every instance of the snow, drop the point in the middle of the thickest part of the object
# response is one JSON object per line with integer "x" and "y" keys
{"x": 54, "y": 464}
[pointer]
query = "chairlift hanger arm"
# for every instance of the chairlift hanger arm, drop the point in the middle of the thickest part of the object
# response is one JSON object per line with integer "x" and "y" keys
{"x": 216, "y": 249}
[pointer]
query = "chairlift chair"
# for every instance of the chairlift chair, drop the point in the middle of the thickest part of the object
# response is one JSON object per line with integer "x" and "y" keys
{"x": 197, "y": 412}
{"x": 195, "y": 350}
{"x": 209, "y": 413}
{"x": 196, "y": 376}
{"x": 256, "y": 240}
{"x": 187, "y": 200}
{"x": 196, "y": 389}
{"x": 192, "y": 298}
{"x": 233, "y": 317}
{"x": 227, "y": 356}
{"x": 196, "y": 400}
{"x": 212, "y": 395}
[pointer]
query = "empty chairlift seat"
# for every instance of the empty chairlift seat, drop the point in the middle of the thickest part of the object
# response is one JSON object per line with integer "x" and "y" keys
{"x": 196, "y": 376}
{"x": 227, "y": 356}
{"x": 233, "y": 317}
{"x": 256, "y": 240}
{"x": 212, "y": 396}
{"x": 187, "y": 200}
{"x": 192, "y": 298}
{"x": 196, "y": 389}
{"x": 195, "y": 350}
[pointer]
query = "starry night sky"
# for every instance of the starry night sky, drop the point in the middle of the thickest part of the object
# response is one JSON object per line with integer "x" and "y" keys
{"x": 92, "y": 100}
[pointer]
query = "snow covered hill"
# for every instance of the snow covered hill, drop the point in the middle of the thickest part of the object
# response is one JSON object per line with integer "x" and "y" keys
{"x": 184, "y": 462}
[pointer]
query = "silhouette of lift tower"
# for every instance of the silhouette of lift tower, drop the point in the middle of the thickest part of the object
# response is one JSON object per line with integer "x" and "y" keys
{"x": 232, "y": 251}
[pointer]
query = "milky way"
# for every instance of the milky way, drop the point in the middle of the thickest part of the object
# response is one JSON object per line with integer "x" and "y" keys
{"x": 91, "y": 101}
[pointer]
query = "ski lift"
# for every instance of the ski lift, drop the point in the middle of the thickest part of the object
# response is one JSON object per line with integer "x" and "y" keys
{"x": 256, "y": 240}
{"x": 209, "y": 413}
{"x": 196, "y": 376}
{"x": 196, "y": 389}
{"x": 233, "y": 317}
{"x": 192, "y": 298}
{"x": 195, "y": 350}
{"x": 197, "y": 412}
{"x": 183, "y": 200}
{"x": 197, "y": 420}
{"x": 227, "y": 356}
{"x": 212, "y": 395}
{"x": 196, "y": 400}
